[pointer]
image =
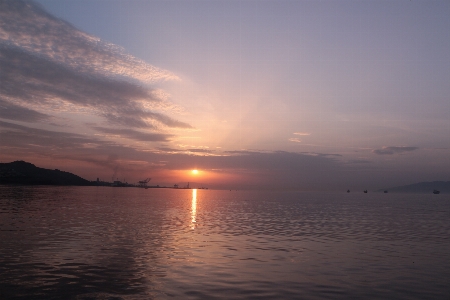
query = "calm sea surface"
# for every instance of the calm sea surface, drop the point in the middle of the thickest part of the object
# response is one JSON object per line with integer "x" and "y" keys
{"x": 130, "y": 243}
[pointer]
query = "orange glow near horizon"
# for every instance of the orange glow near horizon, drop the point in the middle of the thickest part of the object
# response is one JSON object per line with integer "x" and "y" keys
{"x": 206, "y": 178}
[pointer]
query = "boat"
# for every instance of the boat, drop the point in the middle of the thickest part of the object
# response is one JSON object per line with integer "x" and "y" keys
{"x": 386, "y": 192}
{"x": 436, "y": 192}
{"x": 365, "y": 191}
{"x": 348, "y": 191}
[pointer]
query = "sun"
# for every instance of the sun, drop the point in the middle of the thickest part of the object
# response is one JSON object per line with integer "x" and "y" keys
{"x": 195, "y": 172}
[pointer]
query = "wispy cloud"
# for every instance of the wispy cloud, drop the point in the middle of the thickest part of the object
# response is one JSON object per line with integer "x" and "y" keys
{"x": 200, "y": 150}
{"x": 295, "y": 140}
{"x": 47, "y": 63}
{"x": 134, "y": 134}
{"x": 321, "y": 154}
{"x": 15, "y": 112}
{"x": 169, "y": 150}
{"x": 32, "y": 143}
{"x": 21, "y": 137}
{"x": 394, "y": 150}
{"x": 27, "y": 25}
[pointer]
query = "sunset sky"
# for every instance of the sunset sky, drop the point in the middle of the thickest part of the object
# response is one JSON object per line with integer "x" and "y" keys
{"x": 251, "y": 93}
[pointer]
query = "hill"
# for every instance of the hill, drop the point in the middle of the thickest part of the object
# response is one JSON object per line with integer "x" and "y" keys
{"x": 422, "y": 187}
{"x": 21, "y": 172}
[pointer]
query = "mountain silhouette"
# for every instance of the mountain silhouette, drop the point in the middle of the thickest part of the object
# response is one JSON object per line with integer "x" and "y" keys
{"x": 25, "y": 173}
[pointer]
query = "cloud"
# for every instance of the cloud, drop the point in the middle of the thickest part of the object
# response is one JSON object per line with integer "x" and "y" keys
{"x": 27, "y": 25}
{"x": 18, "y": 113}
{"x": 246, "y": 168}
{"x": 279, "y": 169}
{"x": 302, "y": 133}
{"x": 19, "y": 136}
{"x": 295, "y": 140}
{"x": 252, "y": 160}
{"x": 238, "y": 169}
{"x": 241, "y": 152}
{"x": 393, "y": 150}
{"x": 134, "y": 134}
{"x": 33, "y": 144}
{"x": 321, "y": 154}
{"x": 169, "y": 150}
{"x": 200, "y": 150}
{"x": 48, "y": 64}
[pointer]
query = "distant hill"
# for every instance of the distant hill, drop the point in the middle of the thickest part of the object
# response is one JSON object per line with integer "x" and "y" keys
{"x": 421, "y": 187}
{"x": 21, "y": 172}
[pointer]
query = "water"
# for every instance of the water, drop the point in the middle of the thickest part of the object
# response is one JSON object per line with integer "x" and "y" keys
{"x": 129, "y": 243}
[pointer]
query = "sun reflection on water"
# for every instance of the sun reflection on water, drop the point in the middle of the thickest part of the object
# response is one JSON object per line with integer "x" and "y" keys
{"x": 194, "y": 209}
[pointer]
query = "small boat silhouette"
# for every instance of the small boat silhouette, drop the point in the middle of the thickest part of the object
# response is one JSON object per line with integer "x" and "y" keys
{"x": 365, "y": 191}
{"x": 348, "y": 191}
{"x": 386, "y": 192}
{"x": 436, "y": 192}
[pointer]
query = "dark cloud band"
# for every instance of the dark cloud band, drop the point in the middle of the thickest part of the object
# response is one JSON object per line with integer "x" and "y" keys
{"x": 393, "y": 150}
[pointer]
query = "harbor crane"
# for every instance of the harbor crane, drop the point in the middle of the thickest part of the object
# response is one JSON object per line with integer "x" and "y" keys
{"x": 143, "y": 183}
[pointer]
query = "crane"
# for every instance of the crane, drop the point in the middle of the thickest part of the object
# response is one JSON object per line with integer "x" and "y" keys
{"x": 143, "y": 183}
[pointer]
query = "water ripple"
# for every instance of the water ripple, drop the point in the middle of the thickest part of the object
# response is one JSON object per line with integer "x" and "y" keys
{"x": 107, "y": 243}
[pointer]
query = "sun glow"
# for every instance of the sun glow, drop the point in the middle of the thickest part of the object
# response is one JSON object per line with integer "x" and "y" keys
{"x": 195, "y": 172}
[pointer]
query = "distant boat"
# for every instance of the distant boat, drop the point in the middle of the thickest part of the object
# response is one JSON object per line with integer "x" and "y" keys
{"x": 385, "y": 192}
{"x": 348, "y": 191}
{"x": 365, "y": 191}
{"x": 436, "y": 192}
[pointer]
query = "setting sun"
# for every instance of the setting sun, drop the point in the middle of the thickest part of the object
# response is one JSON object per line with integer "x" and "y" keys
{"x": 195, "y": 172}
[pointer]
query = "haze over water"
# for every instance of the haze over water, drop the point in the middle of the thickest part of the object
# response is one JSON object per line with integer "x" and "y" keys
{"x": 128, "y": 243}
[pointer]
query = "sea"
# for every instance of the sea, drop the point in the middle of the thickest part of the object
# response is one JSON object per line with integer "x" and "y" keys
{"x": 134, "y": 243}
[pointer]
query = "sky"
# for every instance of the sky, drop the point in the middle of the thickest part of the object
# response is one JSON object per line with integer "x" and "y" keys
{"x": 254, "y": 94}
